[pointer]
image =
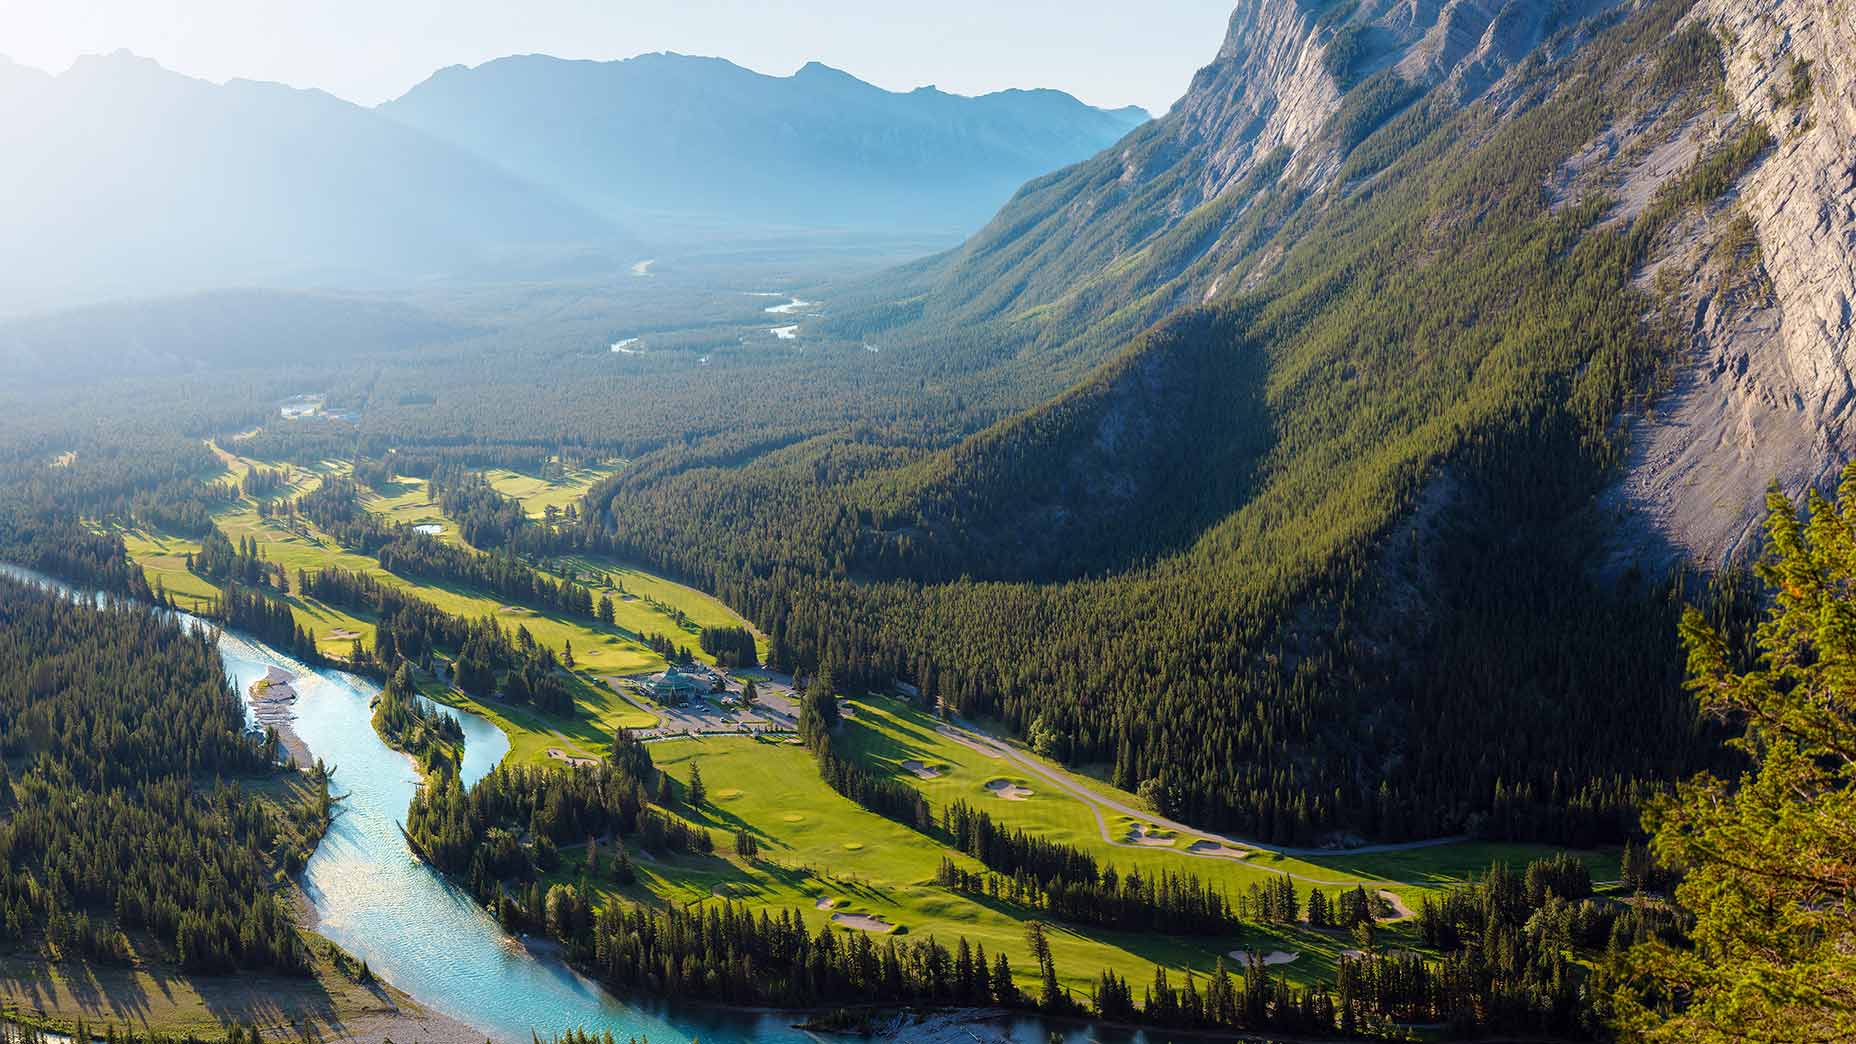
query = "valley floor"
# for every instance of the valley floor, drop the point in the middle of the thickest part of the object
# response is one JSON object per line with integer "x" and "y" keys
{"x": 821, "y": 854}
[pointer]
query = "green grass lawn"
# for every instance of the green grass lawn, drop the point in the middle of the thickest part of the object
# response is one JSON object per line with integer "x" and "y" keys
{"x": 409, "y": 503}
{"x": 646, "y": 604}
{"x": 598, "y": 649}
{"x": 538, "y": 494}
{"x": 886, "y": 731}
{"x": 816, "y": 844}
{"x": 531, "y": 733}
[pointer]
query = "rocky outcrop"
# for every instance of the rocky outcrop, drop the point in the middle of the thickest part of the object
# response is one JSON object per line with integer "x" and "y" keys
{"x": 1285, "y": 68}
{"x": 1792, "y": 64}
{"x": 1765, "y": 392}
{"x": 1162, "y": 218}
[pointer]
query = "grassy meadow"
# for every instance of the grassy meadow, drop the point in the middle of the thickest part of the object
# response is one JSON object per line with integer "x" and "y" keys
{"x": 817, "y": 845}
{"x": 643, "y": 603}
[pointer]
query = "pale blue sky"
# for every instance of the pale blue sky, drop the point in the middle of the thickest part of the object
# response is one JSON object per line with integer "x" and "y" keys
{"x": 1140, "y": 52}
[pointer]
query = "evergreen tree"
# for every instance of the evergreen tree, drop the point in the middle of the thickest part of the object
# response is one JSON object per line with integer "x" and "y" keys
{"x": 1050, "y": 996}
{"x": 1768, "y": 859}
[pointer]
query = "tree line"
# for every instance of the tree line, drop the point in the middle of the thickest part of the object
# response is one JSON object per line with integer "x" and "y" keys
{"x": 488, "y": 661}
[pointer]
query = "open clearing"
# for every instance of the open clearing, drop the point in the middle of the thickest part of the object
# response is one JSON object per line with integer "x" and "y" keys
{"x": 1077, "y": 810}
{"x": 821, "y": 854}
{"x": 538, "y": 494}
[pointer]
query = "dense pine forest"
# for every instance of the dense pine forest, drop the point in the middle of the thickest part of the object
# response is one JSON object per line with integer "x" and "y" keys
{"x": 141, "y": 822}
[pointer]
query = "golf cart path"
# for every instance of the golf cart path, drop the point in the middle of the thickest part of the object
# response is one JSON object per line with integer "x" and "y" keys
{"x": 981, "y": 743}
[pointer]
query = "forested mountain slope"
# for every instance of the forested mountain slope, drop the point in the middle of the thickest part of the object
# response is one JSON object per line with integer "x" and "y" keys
{"x": 1185, "y": 205}
{"x": 1319, "y": 555}
{"x": 707, "y": 139}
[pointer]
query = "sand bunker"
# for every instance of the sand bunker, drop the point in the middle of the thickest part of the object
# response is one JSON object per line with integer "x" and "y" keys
{"x": 924, "y": 771}
{"x": 1270, "y": 958}
{"x": 1213, "y": 848}
{"x": 560, "y": 755}
{"x": 1008, "y": 790}
{"x": 343, "y": 634}
{"x": 1400, "y": 908}
{"x": 1138, "y": 835}
{"x": 862, "y": 922}
{"x": 826, "y": 904}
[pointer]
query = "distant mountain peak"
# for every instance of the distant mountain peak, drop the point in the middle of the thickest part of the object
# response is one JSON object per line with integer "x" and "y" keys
{"x": 664, "y": 133}
{"x": 819, "y": 70}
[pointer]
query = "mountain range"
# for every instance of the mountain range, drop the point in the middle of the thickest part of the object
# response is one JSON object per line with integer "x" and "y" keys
{"x": 127, "y": 179}
{"x": 705, "y": 138}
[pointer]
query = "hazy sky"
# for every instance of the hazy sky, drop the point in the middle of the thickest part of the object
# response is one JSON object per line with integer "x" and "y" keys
{"x": 1139, "y": 52}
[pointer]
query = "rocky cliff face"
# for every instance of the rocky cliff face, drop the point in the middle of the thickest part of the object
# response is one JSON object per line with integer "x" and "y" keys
{"x": 1765, "y": 392}
{"x": 1286, "y": 66}
{"x": 1163, "y": 216}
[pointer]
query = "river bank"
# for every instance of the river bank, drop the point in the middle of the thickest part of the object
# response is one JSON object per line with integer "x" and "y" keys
{"x": 151, "y": 999}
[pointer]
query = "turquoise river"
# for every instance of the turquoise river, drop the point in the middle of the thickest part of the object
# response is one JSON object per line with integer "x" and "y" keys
{"x": 429, "y": 939}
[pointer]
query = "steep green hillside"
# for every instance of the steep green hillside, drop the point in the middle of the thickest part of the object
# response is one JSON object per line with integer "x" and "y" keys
{"x": 1188, "y": 205}
{"x": 1383, "y": 443}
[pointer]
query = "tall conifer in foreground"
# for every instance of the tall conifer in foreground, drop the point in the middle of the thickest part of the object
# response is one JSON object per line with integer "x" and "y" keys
{"x": 1770, "y": 858}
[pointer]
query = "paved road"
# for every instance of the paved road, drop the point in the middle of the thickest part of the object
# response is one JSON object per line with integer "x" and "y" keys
{"x": 976, "y": 740}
